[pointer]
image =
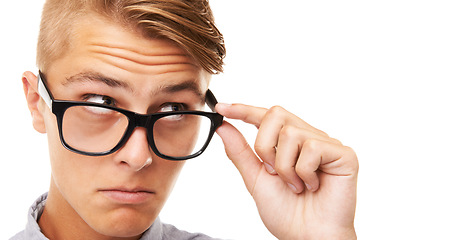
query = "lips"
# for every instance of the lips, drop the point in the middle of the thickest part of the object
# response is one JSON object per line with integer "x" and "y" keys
{"x": 128, "y": 196}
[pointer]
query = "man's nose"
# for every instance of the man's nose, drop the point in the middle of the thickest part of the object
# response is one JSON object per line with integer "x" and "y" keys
{"x": 136, "y": 153}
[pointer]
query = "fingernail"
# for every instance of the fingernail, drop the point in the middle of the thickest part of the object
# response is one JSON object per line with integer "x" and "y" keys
{"x": 294, "y": 189}
{"x": 269, "y": 169}
{"x": 309, "y": 187}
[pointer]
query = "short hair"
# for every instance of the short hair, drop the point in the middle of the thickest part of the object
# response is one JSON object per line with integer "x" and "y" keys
{"x": 189, "y": 23}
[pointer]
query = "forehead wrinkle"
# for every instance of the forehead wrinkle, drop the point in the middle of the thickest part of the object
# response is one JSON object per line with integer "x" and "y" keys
{"x": 156, "y": 65}
{"x": 161, "y": 57}
{"x": 101, "y": 36}
{"x": 159, "y": 49}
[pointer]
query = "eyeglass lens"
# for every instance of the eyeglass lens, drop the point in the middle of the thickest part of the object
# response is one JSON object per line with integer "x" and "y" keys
{"x": 96, "y": 129}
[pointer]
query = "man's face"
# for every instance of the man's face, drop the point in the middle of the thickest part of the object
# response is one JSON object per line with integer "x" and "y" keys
{"x": 101, "y": 191}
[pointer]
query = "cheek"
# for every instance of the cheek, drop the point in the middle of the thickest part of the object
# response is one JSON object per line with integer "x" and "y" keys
{"x": 73, "y": 175}
{"x": 67, "y": 168}
{"x": 165, "y": 174}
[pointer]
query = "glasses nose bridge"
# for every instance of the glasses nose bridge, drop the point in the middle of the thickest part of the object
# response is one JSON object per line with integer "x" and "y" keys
{"x": 141, "y": 120}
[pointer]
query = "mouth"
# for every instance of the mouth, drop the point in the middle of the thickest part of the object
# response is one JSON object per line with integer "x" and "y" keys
{"x": 128, "y": 196}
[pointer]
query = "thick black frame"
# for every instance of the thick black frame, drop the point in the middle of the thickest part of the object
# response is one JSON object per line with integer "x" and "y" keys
{"x": 58, "y": 107}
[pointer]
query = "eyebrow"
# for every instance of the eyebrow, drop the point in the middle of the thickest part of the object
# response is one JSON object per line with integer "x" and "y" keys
{"x": 189, "y": 85}
{"x": 96, "y": 77}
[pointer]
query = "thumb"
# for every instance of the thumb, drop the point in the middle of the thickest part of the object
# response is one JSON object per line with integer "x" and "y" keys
{"x": 241, "y": 154}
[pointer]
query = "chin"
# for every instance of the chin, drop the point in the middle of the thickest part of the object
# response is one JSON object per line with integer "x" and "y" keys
{"x": 124, "y": 223}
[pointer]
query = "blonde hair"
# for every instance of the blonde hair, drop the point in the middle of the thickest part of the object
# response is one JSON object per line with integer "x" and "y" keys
{"x": 189, "y": 23}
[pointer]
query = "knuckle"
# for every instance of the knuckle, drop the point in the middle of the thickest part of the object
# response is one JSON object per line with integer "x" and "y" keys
{"x": 351, "y": 158}
{"x": 288, "y": 132}
{"x": 264, "y": 151}
{"x": 276, "y": 111}
{"x": 314, "y": 145}
{"x": 284, "y": 169}
{"x": 336, "y": 141}
{"x": 304, "y": 171}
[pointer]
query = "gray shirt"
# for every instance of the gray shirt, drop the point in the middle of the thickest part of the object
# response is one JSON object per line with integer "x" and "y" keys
{"x": 158, "y": 230}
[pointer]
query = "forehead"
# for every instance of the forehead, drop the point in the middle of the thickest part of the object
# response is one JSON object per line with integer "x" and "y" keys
{"x": 100, "y": 45}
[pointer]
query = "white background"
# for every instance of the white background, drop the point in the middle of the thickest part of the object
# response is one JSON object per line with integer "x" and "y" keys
{"x": 392, "y": 79}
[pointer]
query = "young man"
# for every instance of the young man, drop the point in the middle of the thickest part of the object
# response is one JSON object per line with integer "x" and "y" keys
{"x": 120, "y": 93}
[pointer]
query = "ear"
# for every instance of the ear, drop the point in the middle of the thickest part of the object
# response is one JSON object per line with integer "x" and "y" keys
{"x": 34, "y": 101}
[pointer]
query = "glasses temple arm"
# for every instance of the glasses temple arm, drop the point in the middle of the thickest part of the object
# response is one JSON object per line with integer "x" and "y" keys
{"x": 44, "y": 91}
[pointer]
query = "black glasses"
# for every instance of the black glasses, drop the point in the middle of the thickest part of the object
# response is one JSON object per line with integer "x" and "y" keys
{"x": 95, "y": 129}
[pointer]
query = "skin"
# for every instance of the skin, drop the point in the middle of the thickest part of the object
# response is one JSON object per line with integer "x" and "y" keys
{"x": 303, "y": 181}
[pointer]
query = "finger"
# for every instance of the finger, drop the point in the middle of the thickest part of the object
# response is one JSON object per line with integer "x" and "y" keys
{"x": 267, "y": 140}
{"x": 269, "y": 127}
{"x": 288, "y": 151}
{"x": 255, "y": 115}
{"x": 336, "y": 159}
{"x": 241, "y": 154}
{"x": 270, "y": 122}
{"x": 246, "y": 113}
{"x": 308, "y": 163}
{"x": 320, "y": 156}
{"x": 276, "y": 135}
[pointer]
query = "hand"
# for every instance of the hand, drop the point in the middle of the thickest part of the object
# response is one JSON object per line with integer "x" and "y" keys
{"x": 303, "y": 181}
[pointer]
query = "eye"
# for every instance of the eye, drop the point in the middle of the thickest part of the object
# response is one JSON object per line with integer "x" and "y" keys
{"x": 100, "y": 99}
{"x": 172, "y": 107}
